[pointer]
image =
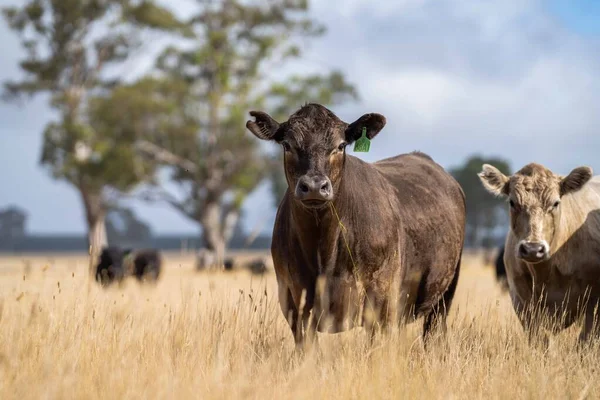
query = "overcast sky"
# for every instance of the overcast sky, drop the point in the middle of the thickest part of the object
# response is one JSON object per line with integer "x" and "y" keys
{"x": 513, "y": 78}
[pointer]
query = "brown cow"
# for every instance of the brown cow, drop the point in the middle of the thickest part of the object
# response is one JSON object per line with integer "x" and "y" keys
{"x": 384, "y": 239}
{"x": 552, "y": 254}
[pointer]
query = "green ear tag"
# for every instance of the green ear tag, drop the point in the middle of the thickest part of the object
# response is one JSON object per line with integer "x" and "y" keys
{"x": 363, "y": 143}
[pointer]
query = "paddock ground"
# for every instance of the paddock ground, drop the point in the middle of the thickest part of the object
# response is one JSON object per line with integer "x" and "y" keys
{"x": 217, "y": 335}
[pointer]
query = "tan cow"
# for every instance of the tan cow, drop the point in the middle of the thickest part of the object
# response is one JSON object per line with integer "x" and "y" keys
{"x": 552, "y": 252}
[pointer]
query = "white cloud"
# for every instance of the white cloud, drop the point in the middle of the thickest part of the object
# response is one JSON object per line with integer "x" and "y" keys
{"x": 459, "y": 77}
{"x": 422, "y": 95}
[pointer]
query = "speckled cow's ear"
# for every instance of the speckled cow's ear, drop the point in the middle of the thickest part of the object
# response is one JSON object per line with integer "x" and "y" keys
{"x": 494, "y": 181}
{"x": 575, "y": 180}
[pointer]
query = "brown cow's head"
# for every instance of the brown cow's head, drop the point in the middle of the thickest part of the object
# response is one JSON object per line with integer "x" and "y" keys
{"x": 314, "y": 141}
{"x": 534, "y": 194}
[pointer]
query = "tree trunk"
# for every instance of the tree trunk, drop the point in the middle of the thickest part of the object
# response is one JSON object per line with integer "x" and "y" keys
{"x": 97, "y": 238}
{"x": 230, "y": 220}
{"x": 95, "y": 213}
{"x": 213, "y": 254}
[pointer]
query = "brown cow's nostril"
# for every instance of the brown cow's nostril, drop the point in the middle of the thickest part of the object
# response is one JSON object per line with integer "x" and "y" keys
{"x": 325, "y": 187}
{"x": 304, "y": 187}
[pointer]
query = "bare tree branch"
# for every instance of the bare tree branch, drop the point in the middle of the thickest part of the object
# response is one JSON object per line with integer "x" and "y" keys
{"x": 158, "y": 194}
{"x": 95, "y": 72}
{"x": 165, "y": 156}
{"x": 255, "y": 231}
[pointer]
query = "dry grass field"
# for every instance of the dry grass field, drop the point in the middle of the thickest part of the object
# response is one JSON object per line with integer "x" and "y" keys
{"x": 222, "y": 336}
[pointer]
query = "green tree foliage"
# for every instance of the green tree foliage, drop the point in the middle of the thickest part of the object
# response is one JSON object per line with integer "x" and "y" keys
{"x": 69, "y": 45}
{"x": 224, "y": 68}
{"x": 485, "y": 213}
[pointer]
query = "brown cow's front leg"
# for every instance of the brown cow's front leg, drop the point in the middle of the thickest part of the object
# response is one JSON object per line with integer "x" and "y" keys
{"x": 307, "y": 327}
{"x": 297, "y": 312}
{"x": 375, "y": 314}
{"x": 289, "y": 310}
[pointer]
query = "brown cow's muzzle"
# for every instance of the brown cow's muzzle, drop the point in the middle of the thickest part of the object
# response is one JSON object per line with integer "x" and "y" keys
{"x": 314, "y": 191}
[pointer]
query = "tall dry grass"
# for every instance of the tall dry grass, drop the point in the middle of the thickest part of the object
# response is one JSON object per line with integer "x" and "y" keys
{"x": 210, "y": 335}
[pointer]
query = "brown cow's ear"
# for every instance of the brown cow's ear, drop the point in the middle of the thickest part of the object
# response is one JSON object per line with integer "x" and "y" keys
{"x": 494, "y": 181}
{"x": 373, "y": 122}
{"x": 575, "y": 180}
{"x": 263, "y": 127}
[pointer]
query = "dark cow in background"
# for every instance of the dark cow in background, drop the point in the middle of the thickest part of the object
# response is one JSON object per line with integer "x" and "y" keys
{"x": 228, "y": 264}
{"x": 147, "y": 264}
{"x": 110, "y": 266}
{"x": 115, "y": 264}
{"x": 356, "y": 243}
{"x": 257, "y": 266}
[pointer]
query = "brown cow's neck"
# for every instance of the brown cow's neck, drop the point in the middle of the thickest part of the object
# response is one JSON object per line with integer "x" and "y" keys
{"x": 313, "y": 228}
{"x": 357, "y": 206}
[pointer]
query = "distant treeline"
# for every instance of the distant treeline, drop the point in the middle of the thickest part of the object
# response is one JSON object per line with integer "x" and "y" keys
{"x": 79, "y": 243}
{"x": 76, "y": 243}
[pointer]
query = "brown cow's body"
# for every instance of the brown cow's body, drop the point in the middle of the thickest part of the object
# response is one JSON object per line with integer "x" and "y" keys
{"x": 403, "y": 224}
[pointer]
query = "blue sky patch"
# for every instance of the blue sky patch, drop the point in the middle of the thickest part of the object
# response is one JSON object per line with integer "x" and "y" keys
{"x": 582, "y": 16}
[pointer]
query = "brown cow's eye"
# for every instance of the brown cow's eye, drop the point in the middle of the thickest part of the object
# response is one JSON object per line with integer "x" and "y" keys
{"x": 286, "y": 146}
{"x": 512, "y": 204}
{"x": 342, "y": 146}
{"x": 556, "y": 204}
